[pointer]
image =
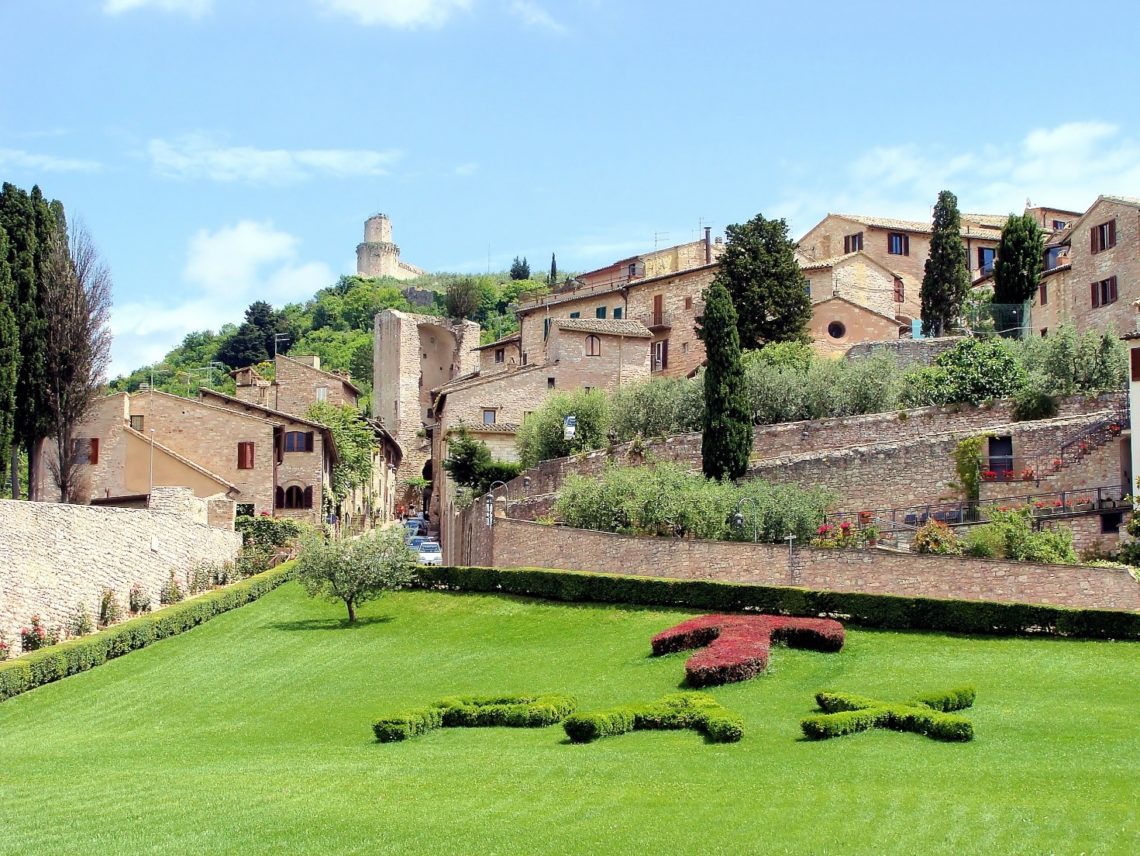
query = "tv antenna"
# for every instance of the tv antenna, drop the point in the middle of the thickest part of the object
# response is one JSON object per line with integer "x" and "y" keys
{"x": 657, "y": 236}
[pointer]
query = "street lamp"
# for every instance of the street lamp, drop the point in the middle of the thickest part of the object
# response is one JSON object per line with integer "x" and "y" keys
{"x": 738, "y": 518}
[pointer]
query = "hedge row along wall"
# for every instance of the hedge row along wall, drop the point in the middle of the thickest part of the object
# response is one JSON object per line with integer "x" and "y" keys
{"x": 867, "y": 610}
{"x": 78, "y": 655}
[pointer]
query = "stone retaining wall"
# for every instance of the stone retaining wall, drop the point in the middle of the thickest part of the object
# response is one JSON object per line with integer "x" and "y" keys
{"x": 54, "y": 557}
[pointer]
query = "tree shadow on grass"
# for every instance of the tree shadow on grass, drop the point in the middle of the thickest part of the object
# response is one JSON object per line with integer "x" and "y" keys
{"x": 330, "y": 623}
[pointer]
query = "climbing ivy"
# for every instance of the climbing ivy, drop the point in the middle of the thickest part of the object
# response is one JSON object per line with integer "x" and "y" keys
{"x": 966, "y": 464}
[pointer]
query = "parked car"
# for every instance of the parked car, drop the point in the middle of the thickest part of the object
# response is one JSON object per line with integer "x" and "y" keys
{"x": 416, "y": 525}
{"x": 431, "y": 553}
{"x": 415, "y": 541}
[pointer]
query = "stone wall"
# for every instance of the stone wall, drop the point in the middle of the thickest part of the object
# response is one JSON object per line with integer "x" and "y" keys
{"x": 524, "y": 544}
{"x": 1121, "y": 261}
{"x": 55, "y": 557}
{"x": 907, "y": 351}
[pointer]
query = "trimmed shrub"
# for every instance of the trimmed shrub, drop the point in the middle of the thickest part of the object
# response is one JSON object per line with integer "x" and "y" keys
{"x": 81, "y": 623}
{"x": 895, "y": 612}
{"x": 138, "y": 601}
{"x": 926, "y": 715}
{"x": 110, "y": 611}
{"x": 170, "y": 592}
{"x": 696, "y": 711}
{"x": 738, "y": 644}
{"x": 78, "y": 655}
{"x": 475, "y": 712}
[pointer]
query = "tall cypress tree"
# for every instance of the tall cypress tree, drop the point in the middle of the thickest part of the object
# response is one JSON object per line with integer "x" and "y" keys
{"x": 727, "y": 440}
{"x": 553, "y": 271}
{"x": 9, "y": 357}
{"x": 946, "y": 279}
{"x": 1020, "y": 258}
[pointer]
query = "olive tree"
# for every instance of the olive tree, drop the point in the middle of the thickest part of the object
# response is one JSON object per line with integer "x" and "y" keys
{"x": 355, "y": 571}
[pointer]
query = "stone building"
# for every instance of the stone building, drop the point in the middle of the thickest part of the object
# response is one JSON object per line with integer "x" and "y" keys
{"x": 412, "y": 355}
{"x": 377, "y": 255}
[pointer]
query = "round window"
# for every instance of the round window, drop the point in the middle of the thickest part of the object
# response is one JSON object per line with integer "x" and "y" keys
{"x": 836, "y": 330}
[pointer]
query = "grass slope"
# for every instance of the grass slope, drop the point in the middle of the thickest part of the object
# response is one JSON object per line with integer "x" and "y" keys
{"x": 252, "y": 734}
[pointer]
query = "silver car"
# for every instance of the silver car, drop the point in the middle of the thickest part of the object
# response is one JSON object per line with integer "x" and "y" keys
{"x": 430, "y": 553}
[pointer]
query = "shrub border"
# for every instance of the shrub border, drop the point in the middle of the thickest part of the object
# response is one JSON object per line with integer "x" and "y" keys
{"x": 884, "y": 611}
{"x": 526, "y": 711}
{"x": 46, "y": 665}
{"x": 928, "y": 714}
{"x": 693, "y": 710}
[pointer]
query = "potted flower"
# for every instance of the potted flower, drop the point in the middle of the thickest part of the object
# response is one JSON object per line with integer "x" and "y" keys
{"x": 1083, "y": 503}
{"x": 1113, "y": 428}
{"x": 866, "y": 517}
{"x": 988, "y": 475}
{"x": 871, "y": 535}
{"x": 1057, "y": 464}
{"x": 1027, "y": 474}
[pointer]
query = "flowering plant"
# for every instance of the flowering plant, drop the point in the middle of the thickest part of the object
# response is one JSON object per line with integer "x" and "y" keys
{"x": 824, "y": 530}
{"x": 988, "y": 475}
{"x": 1114, "y": 429}
{"x": 1083, "y": 446}
{"x": 37, "y": 636}
{"x": 1027, "y": 474}
{"x": 5, "y": 648}
{"x": 1057, "y": 464}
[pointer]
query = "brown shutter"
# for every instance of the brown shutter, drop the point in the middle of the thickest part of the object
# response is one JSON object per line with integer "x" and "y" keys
{"x": 1111, "y": 233}
{"x": 846, "y": 244}
{"x": 93, "y": 452}
{"x": 1135, "y": 357}
{"x": 1095, "y": 295}
{"x": 665, "y": 354}
{"x": 1111, "y": 289}
{"x": 309, "y": 441}
{"x": 906, "y": 245}
{"x": 308, "y": 501}
{"x": 1094, "y": 235}
{"x": 279, "y": 497}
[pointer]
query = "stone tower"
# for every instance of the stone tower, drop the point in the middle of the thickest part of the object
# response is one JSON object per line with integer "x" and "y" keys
{"x": 378, "y": 255}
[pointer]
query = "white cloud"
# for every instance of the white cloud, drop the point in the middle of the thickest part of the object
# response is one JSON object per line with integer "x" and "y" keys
{"x": 19, "y": 159}
{"x": 193, "y": 8}
{"x": 225, "y": 271}
{"x": 466, "y": 169}
{"x": 534, "y": 15}
{"x": 401, "y": 14}
{"x": 201, "y": 156}
{"x": 1066, "y": 166}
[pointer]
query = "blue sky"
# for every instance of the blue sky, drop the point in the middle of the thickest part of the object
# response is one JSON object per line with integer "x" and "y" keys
{"x": 222, "y": 151}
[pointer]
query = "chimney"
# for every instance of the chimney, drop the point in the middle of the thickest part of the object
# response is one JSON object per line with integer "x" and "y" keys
{"x": 708, "y": 245}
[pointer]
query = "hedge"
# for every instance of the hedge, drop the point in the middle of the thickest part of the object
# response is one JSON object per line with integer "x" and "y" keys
{"x": 737, "y": 645}
{"x": 849, "y": 714}
{"x": 85, "y": 652}
{"x": 698, "y": 711}
{"x": 867, "y": 610}
{"x": 475, "y": 712}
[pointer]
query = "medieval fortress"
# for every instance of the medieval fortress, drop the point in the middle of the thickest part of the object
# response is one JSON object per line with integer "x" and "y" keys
{"x": 378, "y": 256}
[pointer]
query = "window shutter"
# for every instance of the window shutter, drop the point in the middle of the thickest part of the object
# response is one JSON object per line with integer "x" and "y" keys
{"x": 1111, "y": 289}
{"x": 1094, "y": 237}
{"x": 309, "y": 441}
{"x": 93, "y": 453}
{"x": 906, "y": 245}
{"x": 1112, "y": 233}
{"x": 665, "y": 354}
{"x": 1134, "y": 354}
{"x": 846, "y": 244}
{"x": 1042, "y": 295}
{"x": 308, "y": 501}
{"x": 279, "y": 497}
{"x": 1095, "y": 295}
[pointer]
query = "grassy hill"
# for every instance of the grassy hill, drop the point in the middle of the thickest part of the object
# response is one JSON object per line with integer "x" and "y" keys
{"x": 252, "y": 734}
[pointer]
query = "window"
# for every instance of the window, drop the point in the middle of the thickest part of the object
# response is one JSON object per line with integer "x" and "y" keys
{"x": 524, "y": 358}
{"x": 137, "y": 423}
{"x": 684, "y": 347}
{"x": 550, "y": 383}
{"x": 593, "y": 346}
{"x": 85, "y": 450}
{"x": 853, "y": 243}
{"x": 633, "y": 269}
{"x": 294, "y": 497}
{"x": 898, "y": 244}
{"x": 617, "y": 313}
{"x": 660, "y": 354}
{"x": 575, "y": 314}
{"x": 600, "y": 312}
{"x": 1058, "y": 225}
{"x": 1043, "y": 294}
{"x": 836, "y": 330}
{"x": 1103, "y": 236}
{"x": 1134, "y": 357}
{"x": 500, "y": 355}
{"x": 298, "y": 441}
{"x": 245, "y": 455}
{"x": 1110, "y": 523}
{"x": 545, "y": 328}
{"x": 688, "y": 301}
{"x": 985, "y": 260}
{"x": 1044, "y": 332}
{"x": 322, "y": 393}
{"x": 1103, "y": 292}
{"x": 488, "y": 416}
{"x": 900, "y": 290}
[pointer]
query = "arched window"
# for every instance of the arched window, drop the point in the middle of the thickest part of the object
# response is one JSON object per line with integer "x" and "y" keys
{"x": 593, "y": 346}
{"x": 296, "y": 497}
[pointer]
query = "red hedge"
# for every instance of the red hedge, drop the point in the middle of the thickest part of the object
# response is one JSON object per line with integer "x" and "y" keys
{"x": 737, "y": 645}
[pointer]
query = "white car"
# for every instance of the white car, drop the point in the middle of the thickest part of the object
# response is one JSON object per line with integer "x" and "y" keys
{"x": 430, "y": 553}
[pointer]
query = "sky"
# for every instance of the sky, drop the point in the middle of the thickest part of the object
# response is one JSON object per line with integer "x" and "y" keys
{"x": 225, "y": 151}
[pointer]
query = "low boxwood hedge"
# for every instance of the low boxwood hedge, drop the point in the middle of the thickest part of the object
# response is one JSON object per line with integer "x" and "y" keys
{"x": 867, "y": 610}
{"x": 77, "y": 655}
{"x": 698, "y": 711}
{"x": 848, "y": 714}
{"x": 475, "y": 712}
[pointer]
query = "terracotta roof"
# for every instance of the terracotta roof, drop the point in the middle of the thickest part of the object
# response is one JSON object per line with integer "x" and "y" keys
{"x": 1057, "y": 269}
{"x": 606, "y": 288}
{"x": 1124, "y": 200}
{"x": 991, "y": 221}
{"x": 514, "y": 337}
{"x": 497, "y": 428}
{"x": 476, "y": 378}
{"x": 604, "y": 326}
{"x": 969, "y": 228}
{"x": 820, "y": 264}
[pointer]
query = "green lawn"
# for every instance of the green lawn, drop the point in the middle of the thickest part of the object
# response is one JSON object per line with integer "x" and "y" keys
{"x": 252, "y": 735}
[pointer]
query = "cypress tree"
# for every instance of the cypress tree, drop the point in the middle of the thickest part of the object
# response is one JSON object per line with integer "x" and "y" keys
{"x": 553, "y": 271}
{"x": 1020, "y": 258}
{"x": 727, "y": 440}
{"x": 946, "y": 279}
{"x": 9, "y": 357}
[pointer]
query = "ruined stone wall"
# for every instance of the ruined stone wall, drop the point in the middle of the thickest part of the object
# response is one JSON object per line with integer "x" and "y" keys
{"x": 907, "y": 351}
{"x": 55, "y": 557}
{"x": 524, "y": 544}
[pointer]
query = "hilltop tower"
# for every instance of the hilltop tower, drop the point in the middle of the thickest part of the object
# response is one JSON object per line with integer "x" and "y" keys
{"x": 377, "y": 255}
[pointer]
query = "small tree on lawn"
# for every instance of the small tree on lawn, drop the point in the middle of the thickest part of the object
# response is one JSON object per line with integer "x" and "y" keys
{"x": 355, "y": 571}
{"x": 946, "y": 279}
{"x": 727, "y": 440}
